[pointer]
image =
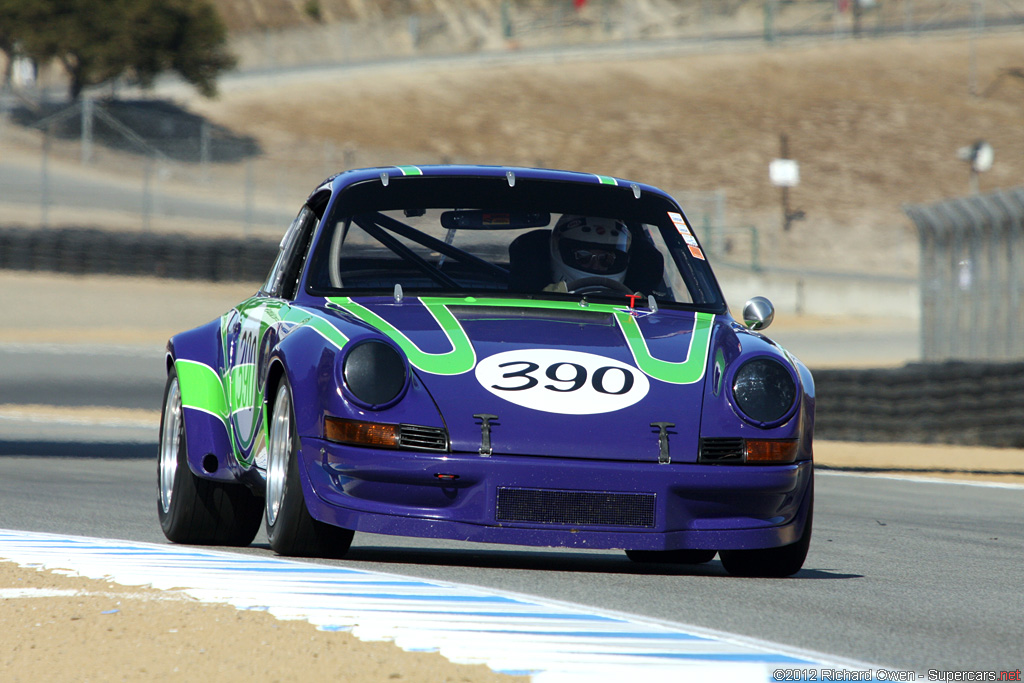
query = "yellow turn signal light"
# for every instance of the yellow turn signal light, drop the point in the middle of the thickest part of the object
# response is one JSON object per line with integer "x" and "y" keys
{"x": 357, "y": 433}
{"x": 771, "y": 451}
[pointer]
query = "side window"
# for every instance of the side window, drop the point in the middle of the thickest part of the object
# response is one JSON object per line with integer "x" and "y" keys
{"x": 284, "y": 275}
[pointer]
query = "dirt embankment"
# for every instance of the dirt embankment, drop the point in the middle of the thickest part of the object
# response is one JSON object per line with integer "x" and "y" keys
{"x": 59, "y": 628}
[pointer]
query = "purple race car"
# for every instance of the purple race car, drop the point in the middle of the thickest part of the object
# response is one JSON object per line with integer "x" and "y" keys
{"x": 504, "y": 355}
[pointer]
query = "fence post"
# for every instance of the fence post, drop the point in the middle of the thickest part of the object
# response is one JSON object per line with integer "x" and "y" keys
{"x": 250, "y": 191}
{"x": 204, "y": 150}
{"x": 329, "y": 155}
{"x": 87, "y": 116}
{"x": 755, "y": 249}
{"x": 769, "y": 21}
{"x": 709, "y": 233}
{"x": 44, "y": 178}
{"x": 147, "y": 193}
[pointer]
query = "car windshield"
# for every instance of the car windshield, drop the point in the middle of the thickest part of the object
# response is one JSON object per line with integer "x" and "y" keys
{"x": 463, "y": 236}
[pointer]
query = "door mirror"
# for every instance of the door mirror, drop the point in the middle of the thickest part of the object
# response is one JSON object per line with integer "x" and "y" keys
{"x": 758, "y": 313}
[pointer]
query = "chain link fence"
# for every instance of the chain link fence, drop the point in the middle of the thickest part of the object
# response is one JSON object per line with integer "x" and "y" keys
{"x": 149, "y": 165}
{"x": 972, "y": 277}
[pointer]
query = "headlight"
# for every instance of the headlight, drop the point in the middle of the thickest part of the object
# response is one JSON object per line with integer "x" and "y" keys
{"x": 374, "y": 373}
{"x": 764, "y": 390}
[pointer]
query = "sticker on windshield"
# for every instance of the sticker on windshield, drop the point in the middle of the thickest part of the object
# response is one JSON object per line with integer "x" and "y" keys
{"x": 677, "y": 220}
{"x": 559, "y": 381}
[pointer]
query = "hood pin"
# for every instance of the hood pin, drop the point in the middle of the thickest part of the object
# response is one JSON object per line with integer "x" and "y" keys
{"x": 485, "y": 433}
{"x": 663, "y": 427}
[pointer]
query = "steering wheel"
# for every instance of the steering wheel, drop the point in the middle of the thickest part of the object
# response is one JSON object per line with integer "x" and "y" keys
{"x": 596, "y": 283}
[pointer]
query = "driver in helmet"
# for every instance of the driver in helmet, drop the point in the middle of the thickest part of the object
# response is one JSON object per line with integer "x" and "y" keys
{"x": 588, "y": 247}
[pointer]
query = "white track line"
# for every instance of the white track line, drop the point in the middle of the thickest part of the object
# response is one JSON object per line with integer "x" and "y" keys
{"x": 549, "y": 640}
{"x": 919, "y": 479}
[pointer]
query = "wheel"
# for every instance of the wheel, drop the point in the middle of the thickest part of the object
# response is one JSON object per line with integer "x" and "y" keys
{"x": 592, "y": 285}
{"x": 671, "y": 556}
{"x": 291, "y": 530}
{"x": 771, "y": 562}
{"x": 191, "y": 509}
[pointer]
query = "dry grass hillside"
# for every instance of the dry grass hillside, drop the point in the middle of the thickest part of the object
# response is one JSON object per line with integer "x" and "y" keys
{"x": 652, "y": 15}
{"x": 248, "y": 15}
{"x": 874, "y": 124}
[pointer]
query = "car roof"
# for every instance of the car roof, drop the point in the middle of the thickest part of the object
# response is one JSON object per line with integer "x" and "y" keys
{"x": 512, "y": 173}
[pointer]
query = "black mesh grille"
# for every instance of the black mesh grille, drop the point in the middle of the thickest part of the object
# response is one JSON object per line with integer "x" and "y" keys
{"x": 722, "y": 449}
{"x": 583, "y": 508}
{"x": 419, "y": 438}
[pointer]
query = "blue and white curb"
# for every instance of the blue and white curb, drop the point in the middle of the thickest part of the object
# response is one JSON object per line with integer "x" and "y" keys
{"x": 515, "y": 634}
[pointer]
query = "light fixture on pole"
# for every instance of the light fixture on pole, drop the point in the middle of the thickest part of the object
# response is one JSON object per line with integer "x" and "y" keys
{"x": 785, "y": 173}
{"x": 980, "y": 156}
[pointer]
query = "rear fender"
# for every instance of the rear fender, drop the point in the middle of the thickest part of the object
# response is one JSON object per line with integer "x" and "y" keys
{"x": 197, "y": 357}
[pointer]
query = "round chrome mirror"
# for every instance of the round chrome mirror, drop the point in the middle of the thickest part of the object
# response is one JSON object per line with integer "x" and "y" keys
{"x": 758, "y": 313}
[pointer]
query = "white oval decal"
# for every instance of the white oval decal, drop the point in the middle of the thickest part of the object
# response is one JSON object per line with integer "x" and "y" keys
{"x": 557, "y": 381}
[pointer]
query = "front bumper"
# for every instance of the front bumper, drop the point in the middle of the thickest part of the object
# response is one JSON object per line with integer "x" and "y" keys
{"x": 556, "y": 502}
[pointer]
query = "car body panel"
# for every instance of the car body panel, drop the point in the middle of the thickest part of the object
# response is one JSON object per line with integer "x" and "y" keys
{"x": 366, "y": 491}
{"x": 574, "y": 391}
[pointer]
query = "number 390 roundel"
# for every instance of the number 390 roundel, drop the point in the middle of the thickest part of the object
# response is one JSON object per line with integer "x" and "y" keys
{"x": 560, "y": 381}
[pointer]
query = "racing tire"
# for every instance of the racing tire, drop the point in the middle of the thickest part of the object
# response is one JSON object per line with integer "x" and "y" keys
{"x": 671, "y": 556}
{"x": 771, "y": 562}
{"x": 291, "y": 530}
{"x": 192, "y": 509}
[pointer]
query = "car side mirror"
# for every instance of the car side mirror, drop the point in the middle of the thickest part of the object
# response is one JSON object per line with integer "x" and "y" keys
{"x": 758, "y": 313}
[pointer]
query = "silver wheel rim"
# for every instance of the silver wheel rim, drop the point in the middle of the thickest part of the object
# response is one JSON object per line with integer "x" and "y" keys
{"x": 170, "y": 440}
{"x": 278, "y": 453}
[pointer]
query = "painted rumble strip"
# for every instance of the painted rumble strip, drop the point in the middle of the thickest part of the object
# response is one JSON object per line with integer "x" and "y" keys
{"x": 551, "y": 642}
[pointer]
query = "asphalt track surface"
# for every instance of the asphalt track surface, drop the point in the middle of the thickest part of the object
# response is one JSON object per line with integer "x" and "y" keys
{"x": 910, "y": 574}
{"x": 64, "y": 375}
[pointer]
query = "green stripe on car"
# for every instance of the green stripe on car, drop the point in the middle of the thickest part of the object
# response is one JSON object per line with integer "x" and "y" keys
{"x": 201, "y": 388}
{"x": 686, "y": 372}
{"x": 462, "y": 356}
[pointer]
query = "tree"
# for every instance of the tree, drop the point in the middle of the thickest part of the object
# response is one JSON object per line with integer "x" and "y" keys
{"x": 13, "y": 21}
{"x": 90, "y": 38}
{"x": 185, "y": 36}
{"x": 99, "y": 40}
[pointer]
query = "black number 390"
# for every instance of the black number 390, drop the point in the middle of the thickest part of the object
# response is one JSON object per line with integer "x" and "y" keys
{"x": 571, "y": 379}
